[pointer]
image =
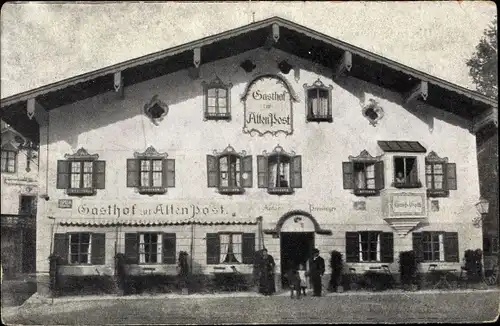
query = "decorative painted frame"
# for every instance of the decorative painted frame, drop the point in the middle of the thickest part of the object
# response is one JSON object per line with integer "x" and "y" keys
{"x": 82, "y": 155}
{"x": 365, "y": 157}
{"x": 433, "y": 158}
{"x": 293, "y": 98}
{"x": 229, "y": 150}
{"x": 318, "y": 84}
{"x": 156, "y": 104}
{"x": 373, "y": 106}
{"x": 218, "y": 84}
{"x": 278, "y": 150}
{"x": 150, "y": 154}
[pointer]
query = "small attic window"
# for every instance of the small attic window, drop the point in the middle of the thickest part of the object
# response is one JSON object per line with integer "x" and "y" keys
{"x": 156, "y": 110}
{"x": 318, "y": 102}
{"x": 217, "y": 104}
{"x": 373, "y": 112}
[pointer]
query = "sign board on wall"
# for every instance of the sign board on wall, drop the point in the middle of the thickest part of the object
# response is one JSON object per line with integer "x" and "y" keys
{"x": 268, "y": 102}
{"x": 407, "y": 204}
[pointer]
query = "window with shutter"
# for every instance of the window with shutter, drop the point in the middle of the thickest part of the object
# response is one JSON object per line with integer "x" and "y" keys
{"x": 318, "y": 102}
{"x": 248, "y": 248}
{"x": 283, "y": 171}
{"x": 81, "y": 173}
{"x": 212, "y": 248}
{"x": 98, "y": 248}
{"x": 364, "y": 174}
{"x": 230, "y": 172}
{"x": 169, "y": 248}
{"x": 150, "y": 172}
{"x": 440, "y": 176}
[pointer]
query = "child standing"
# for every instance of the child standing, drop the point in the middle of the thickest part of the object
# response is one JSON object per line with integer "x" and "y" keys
{"x": 303, "y": 278}
{"x": 294, "y": 282}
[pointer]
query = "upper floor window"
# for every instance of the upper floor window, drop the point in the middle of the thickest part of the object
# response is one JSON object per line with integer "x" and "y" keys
{"x": 229, "y": 171}
{"x": 230, "y": 248}
{"x": 9, "y": 158}
{"x": 80, "y": 248}
{"x": 364, "y": 174}
{"x": 150, "y": 248}
{"x": 436, "y": 246}
{"x": 370, "y": 246}
{"x": 318, "y": 102}
{"x": 217, "y": 100}
{"x": 81, "y": 173}
{"x": 279, "y": 171}
{"x": 440, "y": 175}
{"x": 150, "y": 172}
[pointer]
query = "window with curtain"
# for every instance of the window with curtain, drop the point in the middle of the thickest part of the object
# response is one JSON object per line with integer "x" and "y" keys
{"x": 229, "y": 171}
{"x": 151, "y": 173}
{"x": 230, "y": 248}
{"x": 433, "y": 246}
{"x": 369, "y": 247}
{"x": 364, "y": 175}
{"x": 279, "y": 171}
{"x": 81, "y": 174}
{"x": 150, "y": 248}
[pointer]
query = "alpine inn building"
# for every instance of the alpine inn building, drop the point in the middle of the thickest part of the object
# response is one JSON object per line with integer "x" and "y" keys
{"x": 270, "y": 135}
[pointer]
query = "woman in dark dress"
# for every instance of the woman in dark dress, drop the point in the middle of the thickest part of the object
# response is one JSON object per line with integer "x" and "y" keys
{"x": 266, "y": 277}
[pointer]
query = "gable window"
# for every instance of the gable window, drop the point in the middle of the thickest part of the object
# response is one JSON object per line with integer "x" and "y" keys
{"x": 369, "y": 246}
{"x": 436, "y": 246}
{"x": 9, "y": 161}
{"x": 364, "y": 174}
{"x": 150, "y": 248}
{"x": 80, "y": 248}
{"x": 440, "y": 175}
{"x": 81, "y": 173}
{"x": 279, "y": 172}
{"x": 150, "y": 172}
{"x": 230, "y": 248}
{"x": 318, "y": 102}
{"x": 229, "y": 171}
{"x": 217, "y": 100}
{"x": 405, "y": 172}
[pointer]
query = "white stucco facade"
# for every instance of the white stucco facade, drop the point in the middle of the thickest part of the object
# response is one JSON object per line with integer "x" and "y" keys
{"x": 115, "y": 128}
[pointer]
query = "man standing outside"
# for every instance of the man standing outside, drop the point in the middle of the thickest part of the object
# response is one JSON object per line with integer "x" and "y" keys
{"x": 317, "y": 269}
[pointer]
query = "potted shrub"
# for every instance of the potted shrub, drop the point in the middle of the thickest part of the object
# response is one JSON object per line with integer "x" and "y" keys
{"x": 473, "y": 265}
{"x": 408, "y": 268}
{"x": 183, "y": 271}
{"x": 337, "y": 265}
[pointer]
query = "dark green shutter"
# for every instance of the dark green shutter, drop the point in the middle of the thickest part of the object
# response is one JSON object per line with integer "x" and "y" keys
{"x": 168, "y": 173}
{"x": 451, "y": 247}
{"x": 352, "y": 247}
{"x": 347, "y": 172}
{"x": 98, "y": 254}
{"x": 296, "y": 172}
{"x": 246, "y": 167}
{"x": 61, "y": 246}
{"x": 131, "y": 248}
{"x": 133, "y": 173}
{"x": 418, "y": 245}
{"x": 99, "y": 174}
{"x": 212, "y": 171}
{"x": 212, "y": 248}
{"x": 262, "y": 169}
{"x": 379, "y": 175}
{"x": 451, "y": 176}
{"x": 63, "y": 173}
{"x": 169, "y": 248}
{"x": 248, "y": 247}
{"x": 387, "y": 247}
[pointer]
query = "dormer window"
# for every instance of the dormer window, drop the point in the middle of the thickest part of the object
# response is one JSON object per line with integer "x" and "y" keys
{"x": 217, "y": 100}
{"x": 318, "y": 102}
{"x": 280, "y": 172}
{"x": 364, "y": 174}
{"x": 9, "y": 158}
{"x": 81, "y": 173}
{"x": 229, "y": 171}
{"x": 440, "y": 176}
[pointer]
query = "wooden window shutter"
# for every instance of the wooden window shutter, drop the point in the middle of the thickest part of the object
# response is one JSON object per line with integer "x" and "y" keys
{"x": 212, "y": 171}
{"x": 99, "y": 174}
{"x": 63, "y": 173}
{"x": 131, "y": 248}
{"x": 61, "y": 246}
{"x": 133, "y": 173}
{"x": 168, "y": 173}
{"x": 451, "y": 176}
{"x": 451, "y": 247}
{"x": 296, "y": 172}
{"x": 246, "y": 167}
{"x": 387, "y": 247}
{"x": 352, "y": 247}
{"x": 418, "y": 245}
{"x": 248, "y": 247}
{"x": 212, "y": 248}
{"x": 98, "y": 254}
{"x": 379, "y": 175}
{"x": 169, "y": 248}
{"x": 347, "y": 171}
{"x": 262, "y": 169}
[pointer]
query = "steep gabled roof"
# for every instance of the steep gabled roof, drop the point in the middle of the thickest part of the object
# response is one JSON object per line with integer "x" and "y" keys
{"x": 293, "y": 38}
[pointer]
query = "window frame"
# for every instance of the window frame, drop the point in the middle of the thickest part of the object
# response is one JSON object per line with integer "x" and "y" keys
{"x": 70, "y": 253}
{"x": 318, "y": 86}
{"x": 440, "y": 243}
{"x": 82, "y": 157}
{"x": 432, "y": 159}
{"x": 378, "y": 173}
{"x": 378, "y": 246}
{"x": 243, "y": 182}
{"x": 407, "y": 184}
{"x": 279, "y": 189}
{"x": 213, "y": 248}
{"x": 216, "y": 84}
{"x": 159, "y": 248}
{"x": 230, "y": 248}
{"x": 8, "y": 159}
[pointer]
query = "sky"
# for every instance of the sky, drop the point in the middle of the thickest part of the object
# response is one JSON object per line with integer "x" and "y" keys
{"x": 42, "y": 43}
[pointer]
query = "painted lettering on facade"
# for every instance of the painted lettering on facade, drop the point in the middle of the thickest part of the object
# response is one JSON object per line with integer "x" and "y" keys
{"x": 313, "y": 208}
{"x": 268, "y": 107}
{"x": 407, "y": 204}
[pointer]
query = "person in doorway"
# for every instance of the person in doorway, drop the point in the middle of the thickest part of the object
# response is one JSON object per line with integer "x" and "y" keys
{"x": 294, "y": 282}
{"x": 266, "y": 274}
{"x": 317, "y": 269}
{"x": 303, "y": 276}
